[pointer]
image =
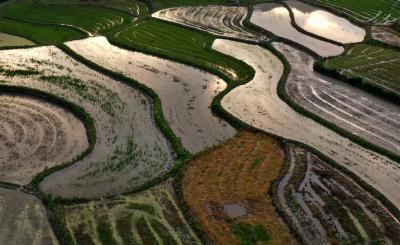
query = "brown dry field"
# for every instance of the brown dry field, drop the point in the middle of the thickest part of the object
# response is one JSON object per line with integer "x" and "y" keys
{"x": 238, "y": 171}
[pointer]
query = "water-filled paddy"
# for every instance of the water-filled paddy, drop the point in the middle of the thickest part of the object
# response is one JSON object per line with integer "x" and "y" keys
{"x": 8, "y": 40}
{"x": 23, "y": 220}
{"x": 186, "y": 93}
{"x": 324, "y": 23}
{"x": 258, "y": 104}
{"x": 359, "y": 112}
{"x": 129, "y": 150}
{"x": 275, "y": 18}
{"x": 35, "y": 134}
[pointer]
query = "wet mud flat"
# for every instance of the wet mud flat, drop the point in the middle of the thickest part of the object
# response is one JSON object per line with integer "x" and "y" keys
{"x": 223, "y": 21}
{"x": 275, "y": 18}
{"x": 150, "y": 217}
{"x": 386, "y": 35}
{"x": 8, "y": 40}
{"x": 326, "y": 206}
{"x": 258, "y": 104}
{"x": 35, "y": 134}
{"x": 186, "y": 93}
{"x": 359, "y": 112}
{"x": 129, "y": 149}
{"x": 23, "y": 220}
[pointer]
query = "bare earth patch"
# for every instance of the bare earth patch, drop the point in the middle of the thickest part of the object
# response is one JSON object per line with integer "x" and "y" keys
{"x": 229, "y": 184}
{"x": 386, "y": 35}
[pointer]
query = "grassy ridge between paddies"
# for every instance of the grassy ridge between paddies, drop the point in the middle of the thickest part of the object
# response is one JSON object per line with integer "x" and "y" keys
{"x": 91, "y": 19}
{"x": 375, "y": 68}
{"x": 187, "y": 46}
{"x": 162, "y": 4}
{"x": 40, "y": 34}
{"x": 132, "y": 7}
{"x": 372, "y": 11}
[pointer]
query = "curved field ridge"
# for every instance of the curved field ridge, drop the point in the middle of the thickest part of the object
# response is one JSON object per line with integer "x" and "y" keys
{"x": 275, "y": 18}
{"x": 386, "y": 35}
{"x": 23, "y": 220}
{"x": 186, "y": 93}
{"x": 151, "y": 217}
{"x": 359, "y": 112}
{"x": 130, "y": 150}
{"x": 327, "y": 207}
{"x": 380, "y": 12}
{"x": 7, "y": 40}
{"x": 218, "y": 20}
{"x": 230, "y": 184}
{"x": 374, "y": 64}
{"x": 35, "y": 134}
{"x": 133, "y": 7}
{"x": 324, "y": 23}
{"x": 257, "y": 103}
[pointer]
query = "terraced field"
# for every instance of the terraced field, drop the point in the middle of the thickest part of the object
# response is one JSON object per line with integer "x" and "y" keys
{"x": 23, "y": 220}
{"x": 386, "y": 35}
{"x": 186, "y": 93}
{"x": 275, "y": 18}
{"x": 168, "y": 40}
{"x": 40, "y": 34}
{"x": 127, "y": 153}
{"x": 89, "y": 19}
{"x": 327, "y": 207}
{"x": 325, "y": 24}
{"x": 34, "y": 135}
{"x": 381, "y": 12}
{"x": 133, "y": 7}
{"x": 227, "y": 187}
{"x": 163, "y": 4}
{"x": 359, "y": 112}
{"x": 222, "y": 21}
{"x": 151, "y": 217}
{"x": 258, "y": 104}
{"x": 7, "y": 40}
{"x": 376, "y": 65}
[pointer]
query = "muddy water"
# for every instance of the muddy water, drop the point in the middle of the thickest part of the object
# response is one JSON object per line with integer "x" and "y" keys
{"x": 35, "y": 134}
{"x": 275, "y": 18}
{"x": 325, "y": 24}
{"x": 258, "y": 104}
{"x": 224, "y": 21}
{"x": 186, "y": 93}
{"x": 130, "y": 149}
{"x": 23, "y": 220}
{"x": 7, "y": 40}
{"x": 357, "y": 111}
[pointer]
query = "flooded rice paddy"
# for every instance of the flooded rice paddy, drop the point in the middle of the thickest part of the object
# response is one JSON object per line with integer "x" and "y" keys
{"x": 23, "y": 220}
{"x": 8, "y": 40}
{"x": 258, "y": 104}
{"x": 275, "y": 18}
{"x": 151, "y": 217}
{"x": 127, "y": 153}
{"x": 324, "y": 23}
{"x": 186, "y": 93}
{"x": 328, "y": 207}
{"x": 359, "y": 112}
{"x": 223, "y": 21}
{"x": 35, "y": 134}
{"x": 386, "y": 35}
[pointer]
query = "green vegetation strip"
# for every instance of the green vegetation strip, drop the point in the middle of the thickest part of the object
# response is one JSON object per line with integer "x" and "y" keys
{"x": 89, "y": 18}
{"x": 250, "y": 234}
{"x": 38, "y": 33}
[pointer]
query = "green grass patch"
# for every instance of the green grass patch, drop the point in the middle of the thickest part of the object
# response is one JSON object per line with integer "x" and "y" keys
{"x": 373, "y": 11}
{"x": 142, "y": 207}
{"x": 187, "y": 46}
{"x": 372, "y": 64}
{"x": 163, "y": 233}
{"x": 145, "y": 233}
{"x": 162, "y": 4}
{"x": 93, "y": 19}
{"x": 104, "y": 230}
{"x": 249, "y": 234}
{"x": 124, "y": 228}
{"x": 40, "y": 34}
